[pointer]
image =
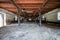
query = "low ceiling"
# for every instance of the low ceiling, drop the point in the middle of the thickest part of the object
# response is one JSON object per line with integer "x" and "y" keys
{"x": 30, "y": 7}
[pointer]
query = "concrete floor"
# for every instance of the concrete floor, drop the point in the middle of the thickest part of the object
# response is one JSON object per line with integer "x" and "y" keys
{"x": 29, "y": 31}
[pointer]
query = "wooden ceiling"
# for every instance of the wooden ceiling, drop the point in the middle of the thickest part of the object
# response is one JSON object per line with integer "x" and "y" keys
{"x": 30, "y": 7}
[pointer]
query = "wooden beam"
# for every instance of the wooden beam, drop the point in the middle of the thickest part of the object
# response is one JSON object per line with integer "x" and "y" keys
{"x": 40, "y": 9}
{"x": 31, "y": 3}
{"x": 28, "y": 6}
{"x": 18, "y": 9}
{"x": 15, "y": 10}
{"x": 45, "y": 11}
{"x": 53, "y": 2}
{"x": 21, "y": 4}
{"x": 25, "y": 1}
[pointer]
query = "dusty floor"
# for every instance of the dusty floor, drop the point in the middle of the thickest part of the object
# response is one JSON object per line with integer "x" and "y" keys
{"x": 29, "y": 31}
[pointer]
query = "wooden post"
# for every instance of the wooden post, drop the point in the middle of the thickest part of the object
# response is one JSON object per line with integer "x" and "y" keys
{"x": 19, "y": 10}
{"x": 40, "y": 21}
{"x": 18, "y": 21}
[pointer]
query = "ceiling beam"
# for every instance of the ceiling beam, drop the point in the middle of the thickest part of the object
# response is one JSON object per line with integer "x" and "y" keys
{"x": 30, "y": 8}
{"x": 53, "y": 2}
{"x": 30, "y": 2}
{"x": 27, "y": 6}
{"x": 18, "y": 9}
{"x": 40, "y": 9}
{"x": 15, "y": 10}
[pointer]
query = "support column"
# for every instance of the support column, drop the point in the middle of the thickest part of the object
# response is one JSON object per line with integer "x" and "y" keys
{"x": 18, "y": 21}
{"x": 40, "y": 22}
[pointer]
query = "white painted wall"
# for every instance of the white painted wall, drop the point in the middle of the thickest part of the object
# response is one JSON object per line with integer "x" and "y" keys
{"x": 52, "y": 15}
{"x": 7, "y": 15}
{"x": 1, "y": 20}
{"x": 58, "y": 16}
